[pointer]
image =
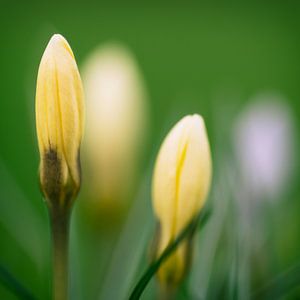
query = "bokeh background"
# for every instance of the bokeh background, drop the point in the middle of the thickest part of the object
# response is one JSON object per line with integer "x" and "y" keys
{"x": 238, "y": 65}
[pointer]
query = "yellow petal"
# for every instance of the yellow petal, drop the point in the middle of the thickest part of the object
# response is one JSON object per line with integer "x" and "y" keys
{"x": 181, "y": 182}
{"x": 60, "y": 108}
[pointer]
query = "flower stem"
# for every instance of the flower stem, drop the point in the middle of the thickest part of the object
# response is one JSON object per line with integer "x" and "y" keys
{"x": 59, "y": 218}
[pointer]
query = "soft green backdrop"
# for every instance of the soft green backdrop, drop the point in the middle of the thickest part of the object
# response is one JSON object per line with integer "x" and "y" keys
{"x": 196, "y": 57}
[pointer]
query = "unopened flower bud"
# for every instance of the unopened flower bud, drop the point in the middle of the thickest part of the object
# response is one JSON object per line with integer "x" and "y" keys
{"x": 59, "y": 122}
{"x": 181, "y": 183}
{"x": 116, "y": 123}
{"x": 264, "y": 144}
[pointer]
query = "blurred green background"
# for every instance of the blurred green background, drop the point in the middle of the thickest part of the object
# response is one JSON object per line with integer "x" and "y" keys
{"x": 210, "y": 58}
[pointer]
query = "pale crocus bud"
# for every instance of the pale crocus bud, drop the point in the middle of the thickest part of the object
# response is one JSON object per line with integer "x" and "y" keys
{"x": 116, "y": 122}
{"x": 264, "y": 136}
{"x": 181, "y": 182}
{"x": 59, "y": 121}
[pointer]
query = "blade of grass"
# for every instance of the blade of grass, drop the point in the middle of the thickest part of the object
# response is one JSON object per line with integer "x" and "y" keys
{"x": 12, "y": 284}
{"x": 201, "y": 281}
{"x": 130, "y": 247}
{"x": 152, "y": 269}
{"x": 13, "y": 219}
{"x": 280, "y": 285}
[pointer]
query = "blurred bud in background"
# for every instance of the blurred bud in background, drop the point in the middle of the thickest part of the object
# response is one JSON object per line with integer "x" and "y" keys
{"x": 181, "y": 182}
{"x": 116, "y": 125}
{"x": 264, "y": 143}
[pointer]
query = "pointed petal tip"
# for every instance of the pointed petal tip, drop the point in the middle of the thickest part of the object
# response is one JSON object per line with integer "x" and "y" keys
{"x": 192, "y": 119}
{"x": 58, "y": 42}
{"x": 57, "y": 39}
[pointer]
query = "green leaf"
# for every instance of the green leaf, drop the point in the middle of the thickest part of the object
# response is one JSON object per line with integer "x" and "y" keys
{"x": 12, "y": 284}
{"x": 280, "y": 285}
{"x": 152, "y": 269}
{"x": 130, "y": 246}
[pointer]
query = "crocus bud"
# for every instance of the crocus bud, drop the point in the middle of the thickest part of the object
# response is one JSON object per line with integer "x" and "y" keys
{"x": 116, "y": 123}
{"x": 264, "y": 136}
{"x": 59, "y": 122}
{"x": 181, "y": 183}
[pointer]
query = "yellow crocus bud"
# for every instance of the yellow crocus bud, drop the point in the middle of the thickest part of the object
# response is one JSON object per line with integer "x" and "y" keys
{"x": 181, "y": 182}
{"x": 59, "y": 122}
{"x": 116, "y": 124}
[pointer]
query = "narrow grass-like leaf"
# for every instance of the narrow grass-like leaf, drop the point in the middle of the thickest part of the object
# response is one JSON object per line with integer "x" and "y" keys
{"x": 130, "y": 247}
{"x": 281, "y": 285}
{"x": 14, "y": 207}
{"x": 13, "y": 285}
{"x": 197, "y": 222}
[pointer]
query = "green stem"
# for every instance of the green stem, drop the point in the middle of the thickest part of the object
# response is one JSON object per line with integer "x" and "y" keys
{"x": 60, "y": 237}
{"x": 152, "y": 269}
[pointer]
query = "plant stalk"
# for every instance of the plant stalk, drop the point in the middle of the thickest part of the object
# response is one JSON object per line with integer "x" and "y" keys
{"x": 60, "y": 218}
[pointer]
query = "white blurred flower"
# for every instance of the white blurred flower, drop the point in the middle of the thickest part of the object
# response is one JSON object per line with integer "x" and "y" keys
{"x": 116, "y": 120}
{"x": 264, "y": 144}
